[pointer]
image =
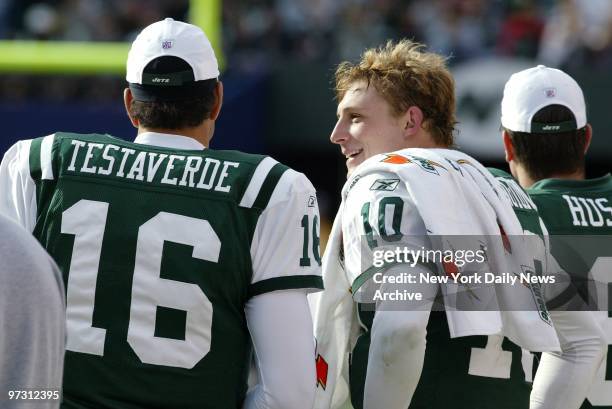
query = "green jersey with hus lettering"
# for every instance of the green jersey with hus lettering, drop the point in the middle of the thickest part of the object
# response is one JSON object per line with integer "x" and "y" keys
{"x": 160, "y": 250}
{"x": 582, "y": 207}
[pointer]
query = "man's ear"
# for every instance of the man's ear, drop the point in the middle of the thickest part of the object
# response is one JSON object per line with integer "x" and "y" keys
{"x": 588, "y": 135}
{"x": 127, "y": 101}
{"x": 412, "y": 120}
{"x": 216, "y": 109}
{"x": 508, "y": 148}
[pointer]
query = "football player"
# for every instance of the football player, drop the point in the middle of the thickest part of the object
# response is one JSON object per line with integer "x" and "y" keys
{"x": 546, "y": 136}
{"x": 398, "y": 97}
{"x": 176, "y": 258}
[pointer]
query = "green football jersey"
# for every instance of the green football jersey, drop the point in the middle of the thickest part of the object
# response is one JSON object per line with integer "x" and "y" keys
{"x": 160, "y": 250}
{"x": 582, "y": 207}
{"x": 524, "y": 208}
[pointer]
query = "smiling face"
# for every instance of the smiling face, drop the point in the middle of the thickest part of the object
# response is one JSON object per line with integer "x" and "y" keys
{"x": 366, "y": 125}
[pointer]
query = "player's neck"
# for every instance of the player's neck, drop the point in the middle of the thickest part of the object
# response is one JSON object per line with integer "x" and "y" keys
{"x": 201, "y": 133}
{"x": 526, "y": 181}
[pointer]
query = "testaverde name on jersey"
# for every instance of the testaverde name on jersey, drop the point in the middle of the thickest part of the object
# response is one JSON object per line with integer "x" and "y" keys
{"x": 153, "y": 167}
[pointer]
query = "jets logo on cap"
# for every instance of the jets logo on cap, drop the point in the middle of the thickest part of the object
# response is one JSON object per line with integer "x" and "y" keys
{"x": 167, "y": 44}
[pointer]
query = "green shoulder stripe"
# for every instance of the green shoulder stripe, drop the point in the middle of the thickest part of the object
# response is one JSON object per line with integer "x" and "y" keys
{"x": 269, "y": 185}
{"x": 262, "y": 184}
{"x": 35, "y": 167}
{"x": 42, "y": 165}
{"x": 285, "y": 283}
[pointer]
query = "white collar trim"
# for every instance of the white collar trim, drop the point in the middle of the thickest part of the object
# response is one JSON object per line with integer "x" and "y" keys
{"x": 165, "y": 140}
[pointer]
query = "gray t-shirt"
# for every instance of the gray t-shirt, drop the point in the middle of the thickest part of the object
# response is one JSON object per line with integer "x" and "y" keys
{"x": 32, "y": 320}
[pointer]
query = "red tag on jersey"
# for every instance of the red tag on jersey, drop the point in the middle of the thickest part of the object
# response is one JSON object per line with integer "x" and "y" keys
{"x": 451, "y": 269}
{"x": 505, "y": 239}
{"x": 322, "y": 369}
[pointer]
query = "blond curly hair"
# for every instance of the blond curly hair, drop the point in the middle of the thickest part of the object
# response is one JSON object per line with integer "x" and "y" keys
{"x": 405, "y": 75}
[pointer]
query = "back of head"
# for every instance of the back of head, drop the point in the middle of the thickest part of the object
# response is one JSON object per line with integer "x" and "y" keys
{"x": 544, "y": 112}
{"x": 406, "y": 75}
{"x": 172, "y": 73}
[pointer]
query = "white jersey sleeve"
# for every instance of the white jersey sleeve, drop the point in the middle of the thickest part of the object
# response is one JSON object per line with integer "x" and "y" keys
{"x": 281, "y": 329}
{"x": 285, "y": 247}
{"x": 381, "y": 216}
{"x": 285, "y": 255}
{"x": 17, "y": 188}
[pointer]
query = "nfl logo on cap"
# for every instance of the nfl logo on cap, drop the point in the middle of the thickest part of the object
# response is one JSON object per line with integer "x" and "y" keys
{"x": 551, "y": 93}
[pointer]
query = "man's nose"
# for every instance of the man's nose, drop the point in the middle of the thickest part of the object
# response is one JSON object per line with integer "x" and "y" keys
{"x": 339, "y": 135}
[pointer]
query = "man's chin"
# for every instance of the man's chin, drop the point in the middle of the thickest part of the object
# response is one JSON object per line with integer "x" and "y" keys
{"x": 352, "y": 164}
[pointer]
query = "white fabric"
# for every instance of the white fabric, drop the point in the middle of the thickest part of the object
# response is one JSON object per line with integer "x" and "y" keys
{"x": 166, "y": 140}
{"x": 563, "y": 379}
{"x": 172, "y": 38}
{"x": 335, "y": 323}
{"x": 45, "y": 157}
{"x": 530, "y": 90}
{"x": 450, "y": 202}
{"x": 17, "y": 188}
{"x": 32, "y": 319}
{"x": 397, "y": 346}
{"x": 293, "y": 199}
{"x": 281, "y": 329}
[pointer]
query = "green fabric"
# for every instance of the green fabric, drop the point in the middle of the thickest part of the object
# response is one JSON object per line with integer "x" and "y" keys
{"x": 523, "y": 206}
{"x": 445, "y": 382}
{"x": 285, "y": 283}
{"x": 265, "y": 193}
{"x": 592, "y": 196}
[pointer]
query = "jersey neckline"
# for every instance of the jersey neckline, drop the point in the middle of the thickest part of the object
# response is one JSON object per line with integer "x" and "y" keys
{"x": 559, "y": 184}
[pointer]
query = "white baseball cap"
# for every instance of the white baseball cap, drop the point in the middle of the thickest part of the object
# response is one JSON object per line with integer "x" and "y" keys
{"x": 530, "y": 90}
{"x": 169, "y": 57}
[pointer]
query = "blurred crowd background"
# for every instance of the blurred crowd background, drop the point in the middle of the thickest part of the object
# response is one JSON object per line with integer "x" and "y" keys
{"x": 280, "y": 56}
{"x": 259, "y": 35}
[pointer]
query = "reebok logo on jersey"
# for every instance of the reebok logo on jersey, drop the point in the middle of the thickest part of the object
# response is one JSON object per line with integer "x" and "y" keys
{"x": 386, "y": 185}
{"x": 311, "y": 201}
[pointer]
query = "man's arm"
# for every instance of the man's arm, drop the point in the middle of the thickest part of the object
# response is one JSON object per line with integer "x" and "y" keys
{"x": 397, "y": 347}
{"x": 281, "y": 330}
{"x": 380, "y": 215}
{"x": 286, "y": 266}
{"x": 564, "y": 379}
